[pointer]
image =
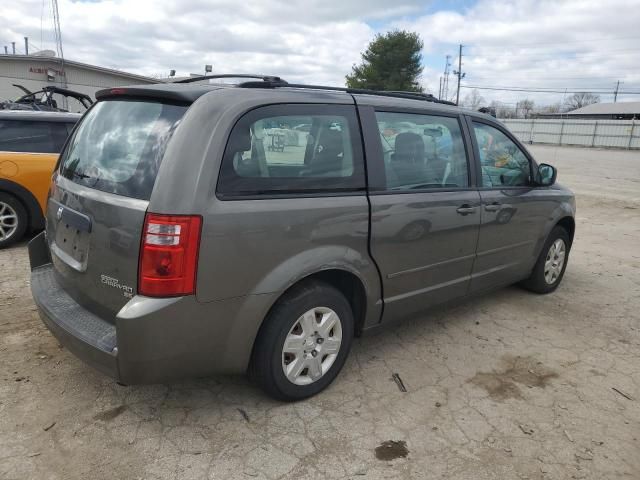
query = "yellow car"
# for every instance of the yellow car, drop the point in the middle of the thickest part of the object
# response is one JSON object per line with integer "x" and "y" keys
{"x": 30, "y": 143}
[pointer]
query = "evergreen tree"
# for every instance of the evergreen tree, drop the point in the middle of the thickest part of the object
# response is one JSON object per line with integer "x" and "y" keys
{"x": 392, "y": 61}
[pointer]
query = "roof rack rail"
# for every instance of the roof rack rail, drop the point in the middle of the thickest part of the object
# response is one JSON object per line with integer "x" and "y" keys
{"x": 422, "y": 96}
{"x": 264, "y": 78}
{"x": 277, "y": 82}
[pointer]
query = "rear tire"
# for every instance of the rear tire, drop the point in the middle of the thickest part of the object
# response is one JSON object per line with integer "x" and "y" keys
{"x": 13, "y": 220}
{"x": 551, "y": 264}
{"x": 303, "y": 343}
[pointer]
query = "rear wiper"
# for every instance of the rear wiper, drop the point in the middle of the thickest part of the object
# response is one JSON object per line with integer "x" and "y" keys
{"x": 80, "y": 175}
{"x": 67, "y": 173}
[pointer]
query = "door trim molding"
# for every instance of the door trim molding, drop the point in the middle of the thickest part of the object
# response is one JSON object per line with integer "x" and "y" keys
{"x": 506, "y": 247}
{"x": 413, "y": 293}
{"x": 427, "y": 267}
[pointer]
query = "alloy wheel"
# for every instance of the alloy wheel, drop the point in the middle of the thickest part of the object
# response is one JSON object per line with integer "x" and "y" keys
{"x": 311, "y": 346}
{"x": 8, "y": 221}
{"x": 554, "y": 261}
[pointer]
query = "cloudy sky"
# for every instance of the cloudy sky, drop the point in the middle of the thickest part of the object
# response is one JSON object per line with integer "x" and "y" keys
{"x": 523, "y": 44}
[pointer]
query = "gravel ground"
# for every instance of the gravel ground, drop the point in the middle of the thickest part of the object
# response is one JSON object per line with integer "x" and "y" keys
{"x": 512, "y": 385}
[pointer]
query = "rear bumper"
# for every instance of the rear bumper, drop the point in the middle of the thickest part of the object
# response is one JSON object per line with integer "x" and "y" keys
{"x": 87, "y": 336}
{"x": 150, "y": 340}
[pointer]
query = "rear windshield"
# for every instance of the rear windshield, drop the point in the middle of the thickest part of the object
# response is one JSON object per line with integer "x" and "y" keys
{"x": 118, "y": 146}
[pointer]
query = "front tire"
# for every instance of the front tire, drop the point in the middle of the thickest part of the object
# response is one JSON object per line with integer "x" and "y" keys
{"x": 13, "y": 220}
{"x": 551, "y": 264}
{"x": 303, "y": 342}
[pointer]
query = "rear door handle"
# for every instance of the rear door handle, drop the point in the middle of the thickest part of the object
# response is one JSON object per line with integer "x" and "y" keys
{"x": 493, "y": 207}
{"x": 466, "y": 209}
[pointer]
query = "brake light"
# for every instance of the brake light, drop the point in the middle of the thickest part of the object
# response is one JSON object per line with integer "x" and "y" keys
{"x": 169, "y": 255}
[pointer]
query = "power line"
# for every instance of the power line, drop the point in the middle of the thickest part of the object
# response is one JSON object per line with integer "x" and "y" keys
{"x": 555, "y": 43}
{"x": 516, "y": 89}
{"x": 580, "y": 88}
{"x": 509, "y": 47}
{"x": 31, "y": 45}
{"x": 559, "y": 77}
{"x": 523, "y": 79}
{"x": 557, "y": 55}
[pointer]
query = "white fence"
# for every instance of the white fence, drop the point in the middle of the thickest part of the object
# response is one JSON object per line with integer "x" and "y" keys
{"x": 585, "y": 133}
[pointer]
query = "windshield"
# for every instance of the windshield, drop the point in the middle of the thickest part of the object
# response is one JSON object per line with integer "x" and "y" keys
{"x": 118, "y": 146}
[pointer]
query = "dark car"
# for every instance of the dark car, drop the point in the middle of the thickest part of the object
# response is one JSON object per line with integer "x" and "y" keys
{"x": 44, "y": 100}
{"x": 29, "y": 146}
{"x": 178, "y": 244}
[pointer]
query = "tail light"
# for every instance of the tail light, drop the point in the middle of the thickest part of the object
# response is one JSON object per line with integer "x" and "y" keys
{"x": 169, "y": 255}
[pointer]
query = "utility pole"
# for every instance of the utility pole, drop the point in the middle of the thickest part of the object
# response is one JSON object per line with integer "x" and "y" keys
{"x": 459, "y": 74}
{"x": 26, "y": 45}
{"x": 58, "y": 38}
{"x": 615, "y": 93}
{"x": 440, "y": 90}
{"x": 445, "y": 80}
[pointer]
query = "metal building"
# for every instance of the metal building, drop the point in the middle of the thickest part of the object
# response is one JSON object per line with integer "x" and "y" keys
{"x": 36, "y": 71}
{"x": 607, "y": 111}
{"x": 600, "y": 111}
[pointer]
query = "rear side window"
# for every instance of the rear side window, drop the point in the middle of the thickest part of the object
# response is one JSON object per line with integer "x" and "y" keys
{"x": 422, "y": 151}
{"x": 32, "y": 137}
{"x": 118, "y": 146}
{"x": 293, "y": 149}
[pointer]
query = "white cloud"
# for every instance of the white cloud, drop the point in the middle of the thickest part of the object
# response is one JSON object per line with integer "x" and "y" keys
{"x": 554, "y": 44}
{"x": 577, "y": 43}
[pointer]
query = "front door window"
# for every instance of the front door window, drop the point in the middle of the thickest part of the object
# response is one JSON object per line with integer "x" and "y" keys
{"x": 502, "y": 162}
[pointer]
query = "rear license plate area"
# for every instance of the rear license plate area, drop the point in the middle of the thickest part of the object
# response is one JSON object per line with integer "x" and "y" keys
{"x": 72, "y": 241}
{"x": 72, "y": 233}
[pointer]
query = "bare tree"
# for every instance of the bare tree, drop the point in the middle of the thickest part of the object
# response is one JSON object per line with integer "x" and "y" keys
{"x": 581, "y": 99}
{"x": 525, "y": 107}
{"x": 553, "y": 108}
{"x": 502, "y": 110}
{"x": 473, "y": 100}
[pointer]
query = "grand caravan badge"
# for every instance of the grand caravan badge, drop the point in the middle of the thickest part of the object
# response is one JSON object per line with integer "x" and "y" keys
{"x": 115, "y": 283}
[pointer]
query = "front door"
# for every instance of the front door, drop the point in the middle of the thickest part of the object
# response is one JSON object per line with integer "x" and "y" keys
{"x": 513, "y": 213}
{"x": 424, "y": 212}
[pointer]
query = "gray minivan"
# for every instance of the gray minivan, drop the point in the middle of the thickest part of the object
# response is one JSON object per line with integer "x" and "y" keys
{"x": 197, "y": 228}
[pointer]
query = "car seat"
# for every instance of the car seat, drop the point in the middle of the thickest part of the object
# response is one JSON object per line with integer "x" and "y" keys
{"x": 329, "y": 155}
{"x": 407, "y": 161}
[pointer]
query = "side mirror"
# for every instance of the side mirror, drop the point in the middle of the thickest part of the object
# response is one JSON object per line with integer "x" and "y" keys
{"x": 546, "y": 175}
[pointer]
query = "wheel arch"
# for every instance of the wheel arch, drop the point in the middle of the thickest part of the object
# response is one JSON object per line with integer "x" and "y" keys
{"x": 28, "y": 200}
{"x": 569, "y": 224}
{"x": 343, "y": 280}
{"x": 351, "y": 286}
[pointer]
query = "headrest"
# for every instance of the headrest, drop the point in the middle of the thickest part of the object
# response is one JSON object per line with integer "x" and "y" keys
{"x": 409, "y": 147}
{"x": 240, "y": 141}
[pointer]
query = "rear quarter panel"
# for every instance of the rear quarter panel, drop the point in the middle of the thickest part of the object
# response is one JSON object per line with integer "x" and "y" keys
{"x": 265, "y": 246}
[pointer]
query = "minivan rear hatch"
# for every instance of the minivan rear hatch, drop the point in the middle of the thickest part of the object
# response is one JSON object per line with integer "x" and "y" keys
{"x": 99, "y": 198}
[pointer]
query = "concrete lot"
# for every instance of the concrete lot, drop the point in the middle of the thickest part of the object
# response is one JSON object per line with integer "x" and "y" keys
{"x": 509, "y": 386}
